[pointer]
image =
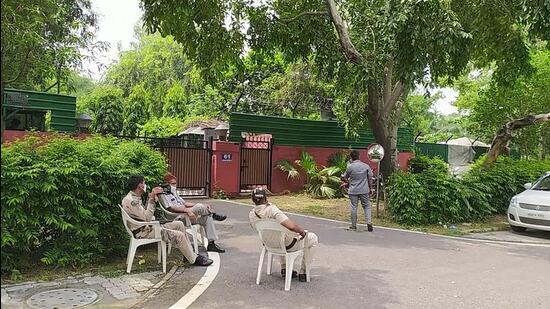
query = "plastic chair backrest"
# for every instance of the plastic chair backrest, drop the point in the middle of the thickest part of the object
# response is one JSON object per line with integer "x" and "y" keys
{"x": 273, "y": 235}
{"x": 125, "y": 219}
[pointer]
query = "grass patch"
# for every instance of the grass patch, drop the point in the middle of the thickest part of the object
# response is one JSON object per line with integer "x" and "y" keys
{"x": 144, "y": 261}
{"x": 338, "y": 209}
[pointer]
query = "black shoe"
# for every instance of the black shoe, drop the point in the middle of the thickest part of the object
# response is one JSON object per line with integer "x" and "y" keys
{"x": 294, "y": 273}
{"x": 369, "y": 227}
{"x": 302, "y": 277}
{"x": 218, "y": 217}
{"x": 202, "y": 261}
{"x": 214, "y": 248}
{"x": 352, "y": 228}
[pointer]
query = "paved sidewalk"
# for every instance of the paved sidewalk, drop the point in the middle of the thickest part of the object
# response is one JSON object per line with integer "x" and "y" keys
{"x": 74, "y": 292}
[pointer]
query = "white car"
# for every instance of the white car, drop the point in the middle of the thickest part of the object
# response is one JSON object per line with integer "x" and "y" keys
{"x": 531, "y": 208}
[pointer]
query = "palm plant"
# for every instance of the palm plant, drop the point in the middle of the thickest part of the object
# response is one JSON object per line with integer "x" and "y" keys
{"x": 320, "y": 182}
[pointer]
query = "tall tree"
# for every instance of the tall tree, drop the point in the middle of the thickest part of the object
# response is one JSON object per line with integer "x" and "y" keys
{"x": 491, "y": 105}
{"x": 375, "y": 50}
{"x": 42, "y": 41}
{"x": 135, "y": 110}
{"x": 108, "y": 105}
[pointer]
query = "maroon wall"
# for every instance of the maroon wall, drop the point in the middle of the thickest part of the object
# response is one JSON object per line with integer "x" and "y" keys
{"x": 225, "y": 174}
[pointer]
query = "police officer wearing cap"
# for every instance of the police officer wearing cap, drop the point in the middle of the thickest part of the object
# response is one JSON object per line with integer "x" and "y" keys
{"x": 265, "y": 210}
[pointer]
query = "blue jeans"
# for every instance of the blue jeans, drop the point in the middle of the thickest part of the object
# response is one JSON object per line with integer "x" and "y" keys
{"x": 354, "y": 201}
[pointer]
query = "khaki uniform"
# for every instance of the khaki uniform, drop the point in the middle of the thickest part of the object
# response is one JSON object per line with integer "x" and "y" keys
{"x": 172, "y": 232}
{"x": 271, "y": 211}
{"x": 203, "y": 213}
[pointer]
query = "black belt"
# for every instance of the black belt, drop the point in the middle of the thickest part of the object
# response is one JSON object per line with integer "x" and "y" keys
{"x": 294, "y": 240}
{"x": 292, "y": 243}
{"x": 139, "y": 229}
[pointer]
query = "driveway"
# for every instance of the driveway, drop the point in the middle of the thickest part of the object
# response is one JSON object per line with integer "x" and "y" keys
{"x": 384, "y": 269}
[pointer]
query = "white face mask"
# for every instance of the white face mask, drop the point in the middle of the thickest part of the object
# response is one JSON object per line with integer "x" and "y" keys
{"x": 173, "y": 189}
{"x": 144, "y": 188}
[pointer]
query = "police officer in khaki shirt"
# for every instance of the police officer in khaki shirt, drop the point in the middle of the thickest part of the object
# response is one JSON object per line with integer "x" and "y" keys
{"x": 172, "y": 232}
{"x": 266, "y": 210}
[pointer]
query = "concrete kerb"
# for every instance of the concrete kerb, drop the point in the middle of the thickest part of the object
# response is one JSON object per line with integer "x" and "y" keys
{"x": 485, "y": 240}
{"x": 153, "y": 290}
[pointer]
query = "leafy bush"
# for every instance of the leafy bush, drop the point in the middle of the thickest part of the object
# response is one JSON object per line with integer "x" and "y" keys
{"x": 60, "y": 196}
{"x": 431, "y": 197}
{"x": 340, "y": 160}
{"x": 420, "y": 163}
{"x": 162, "y": 127}
{"x": 505, "y": 178}
{"x": 320, "y": 182}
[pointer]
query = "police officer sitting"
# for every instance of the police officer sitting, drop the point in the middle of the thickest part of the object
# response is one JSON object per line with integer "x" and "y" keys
{"x": 266, "y": 210}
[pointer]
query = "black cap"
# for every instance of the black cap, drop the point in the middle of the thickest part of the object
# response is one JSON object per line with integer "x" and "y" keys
{"x": 259, "y": 193}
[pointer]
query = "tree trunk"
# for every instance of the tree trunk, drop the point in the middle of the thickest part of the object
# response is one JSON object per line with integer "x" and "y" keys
{"x": 384, "y": 128}
{"x": 504, "y": 135}
{"x": 384, "y": 134}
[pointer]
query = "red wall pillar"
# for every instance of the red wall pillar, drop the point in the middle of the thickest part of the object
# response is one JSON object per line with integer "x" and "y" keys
{"x": 226, "y": 160}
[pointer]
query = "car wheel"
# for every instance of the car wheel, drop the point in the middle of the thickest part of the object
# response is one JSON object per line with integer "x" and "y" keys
{"x": 517, "y": 228}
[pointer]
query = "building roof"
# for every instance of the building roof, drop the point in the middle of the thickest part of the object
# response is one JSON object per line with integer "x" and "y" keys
{"x": 464, "y": 141}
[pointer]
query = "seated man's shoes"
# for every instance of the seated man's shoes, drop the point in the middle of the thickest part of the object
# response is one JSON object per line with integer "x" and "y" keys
{"x": 302, "y": 277}
{"x": 294, "y": 273}
{"x": 213, "y": 247}
{"x": 218, "y": 217}
{"x": 202, "y": 261}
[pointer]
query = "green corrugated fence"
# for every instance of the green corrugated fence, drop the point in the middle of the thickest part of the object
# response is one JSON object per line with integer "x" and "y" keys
{"x": 433, "y": 150}
{"x": 62, "y": 107}
{"x": 307, "y": 133}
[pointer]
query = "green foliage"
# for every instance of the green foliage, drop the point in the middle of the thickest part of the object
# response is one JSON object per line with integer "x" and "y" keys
{"x": 433, "y": 196}
{"x": 421, "y": 163}
{"x": 135, "y": 110}
{"x": 175, "y": 102}
{"x": 161, "y": 127}
{"x": 219, "y": 194}
{"x": 490, "y": 105}
{"x": 42, "y": 41}
{"x": 340, "y": 160}
{"x": 505, "y": 178}
{"x": 59, "y": 198}
{"x": 321, "y": 182}
{"x": 287, "y": 167}
{"x": 108, "y": 109}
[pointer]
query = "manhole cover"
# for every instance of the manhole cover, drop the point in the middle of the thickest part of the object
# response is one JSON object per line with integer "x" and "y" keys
{"x": 62, "y": 298}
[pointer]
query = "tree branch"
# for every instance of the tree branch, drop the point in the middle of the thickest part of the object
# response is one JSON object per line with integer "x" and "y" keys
{"x": 291, "y": 19}
{"x": 504, "y": 135}
{"x": 388, "y": 72}
{"x": 395, "y": 94}
{"x": 345, "y": 42}
{"x": 24, "y": 65}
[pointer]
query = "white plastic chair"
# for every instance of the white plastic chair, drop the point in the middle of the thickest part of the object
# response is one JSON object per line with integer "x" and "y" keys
{"x": 196, "y": 229}
{"x": 136, "y": 242}
{"x": 272, "y": 234}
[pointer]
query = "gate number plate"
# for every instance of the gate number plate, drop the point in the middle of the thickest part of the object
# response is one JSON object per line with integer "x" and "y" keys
{"x": 227, "y": 157}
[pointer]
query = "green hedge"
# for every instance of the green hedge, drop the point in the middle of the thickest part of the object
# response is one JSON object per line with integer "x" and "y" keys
{"x": 505, "y": 178}
{"x": 60, "y": 196}
{"x": 434, "y": 196}
{"x": 420, "y": 163}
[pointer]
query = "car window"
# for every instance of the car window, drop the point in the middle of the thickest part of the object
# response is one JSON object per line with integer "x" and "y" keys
{"x": 543, "y": 184}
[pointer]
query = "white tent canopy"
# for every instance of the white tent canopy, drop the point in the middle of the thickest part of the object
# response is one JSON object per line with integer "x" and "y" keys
{"x": 464, "y": 141}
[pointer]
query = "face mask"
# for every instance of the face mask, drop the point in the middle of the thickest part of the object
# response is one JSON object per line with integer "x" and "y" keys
{"x": 173, "y": 189}
{"x": 144, "y": 188}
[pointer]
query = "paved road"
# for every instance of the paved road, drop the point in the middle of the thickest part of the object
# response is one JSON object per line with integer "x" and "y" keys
{"x": 384, "y": 269}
